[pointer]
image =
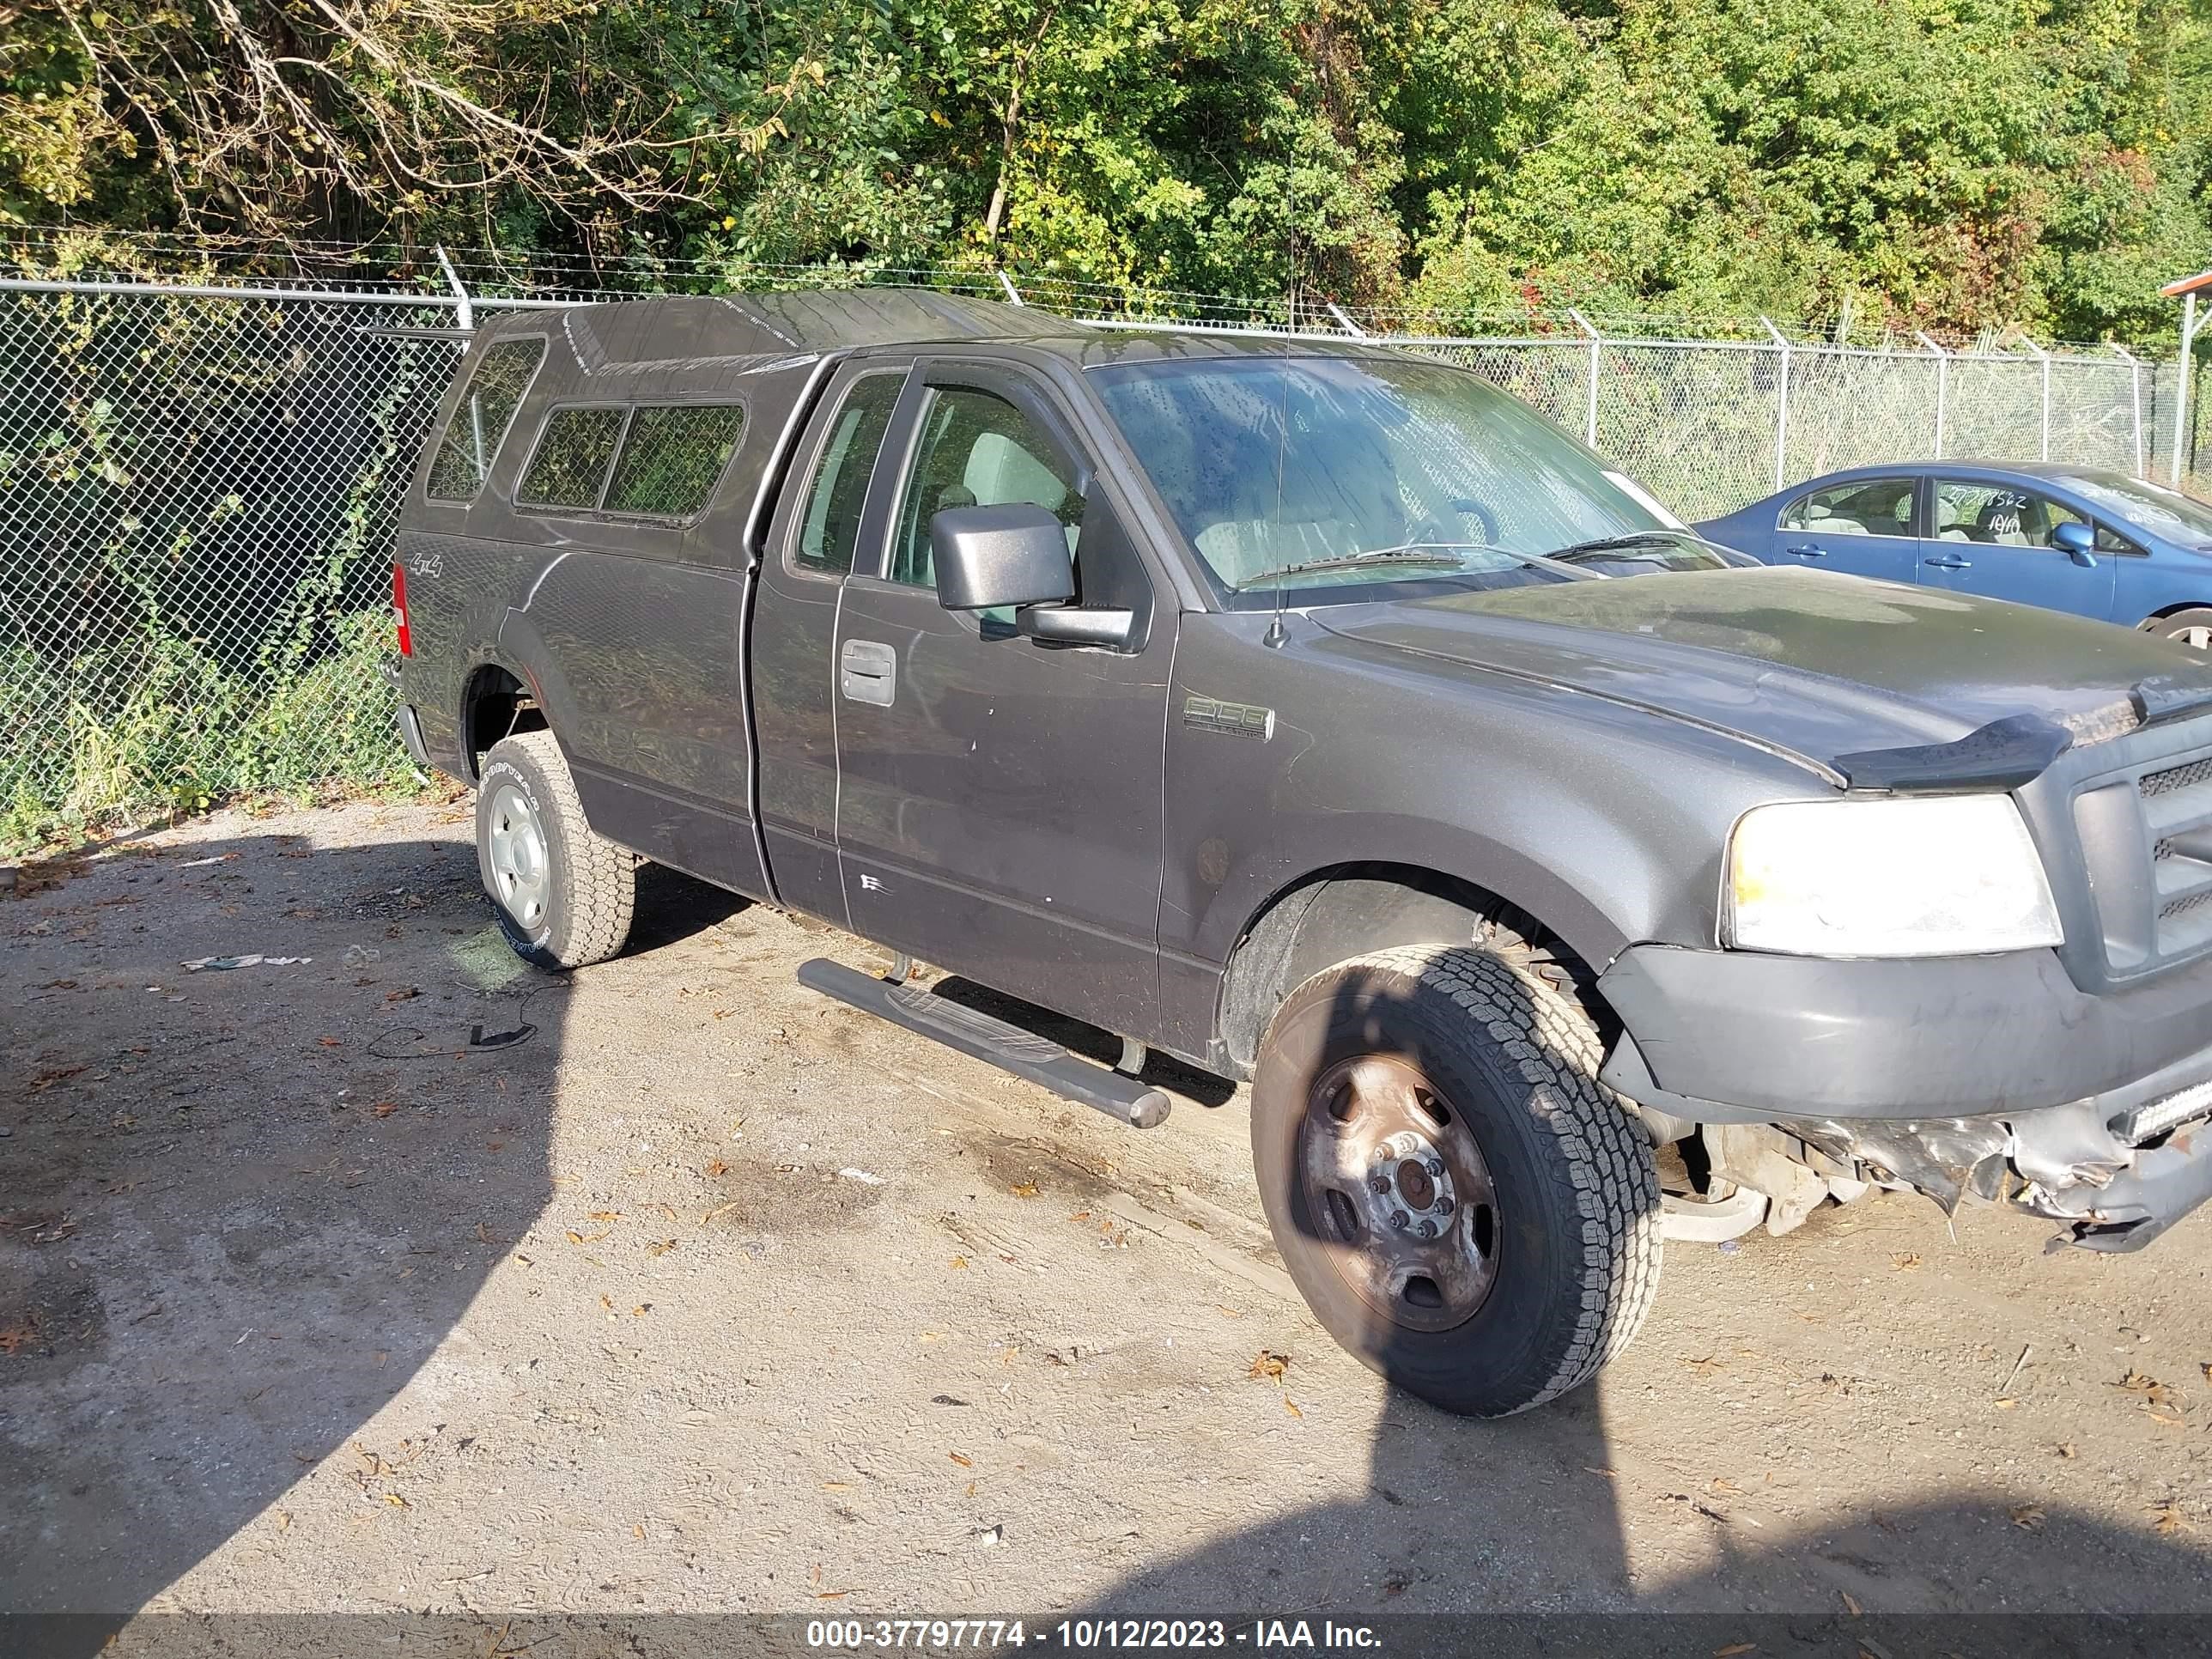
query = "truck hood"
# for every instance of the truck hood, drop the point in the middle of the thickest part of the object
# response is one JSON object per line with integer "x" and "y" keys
{"x": 1816, "y": 664}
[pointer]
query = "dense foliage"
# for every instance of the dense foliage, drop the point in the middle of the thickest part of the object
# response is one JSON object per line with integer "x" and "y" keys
{"x": 1948, "y": 164}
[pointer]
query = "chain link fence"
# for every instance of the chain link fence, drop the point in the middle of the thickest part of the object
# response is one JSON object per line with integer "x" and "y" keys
{"x": 199, "y": 486}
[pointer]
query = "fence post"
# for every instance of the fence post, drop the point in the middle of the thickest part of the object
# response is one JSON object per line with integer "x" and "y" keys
{"x": 1589, "y": 403}
{"x": 1013, "y": 294}
{"x": 2181, "y": 389}
{"x": 464, "y": 318}
{"x": 2043, "y": 361}
{"x": 2135, "y": 400}
{"x": 1349, "y": 326}
{"x": 1780, "y": 405}
{"x": 1942, "y": 387}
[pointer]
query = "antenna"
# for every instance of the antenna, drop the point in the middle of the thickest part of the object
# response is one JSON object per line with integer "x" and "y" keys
{"x": 1277, "y": 634}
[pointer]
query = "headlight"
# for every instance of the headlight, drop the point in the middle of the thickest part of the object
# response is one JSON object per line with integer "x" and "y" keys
{"x": 1939, "y": 876}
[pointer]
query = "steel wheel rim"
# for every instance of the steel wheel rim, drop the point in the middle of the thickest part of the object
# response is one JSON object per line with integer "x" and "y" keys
{"x": 516, "y": 847}
{"x": 1397, "y": 1192}
{"x": 2196, "y": 637}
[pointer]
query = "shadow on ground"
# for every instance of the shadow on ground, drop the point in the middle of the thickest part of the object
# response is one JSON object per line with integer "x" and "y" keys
{"x": 250, "y": 1274}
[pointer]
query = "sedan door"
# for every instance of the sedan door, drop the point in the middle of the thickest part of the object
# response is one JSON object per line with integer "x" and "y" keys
{"x": 1863, "y": 526}
{"x": 1994, "y": 536}
{"x": 999, "y": 796}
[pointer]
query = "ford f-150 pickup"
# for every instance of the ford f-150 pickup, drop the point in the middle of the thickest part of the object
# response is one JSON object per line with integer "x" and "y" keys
{"x": 1282, "y": 705}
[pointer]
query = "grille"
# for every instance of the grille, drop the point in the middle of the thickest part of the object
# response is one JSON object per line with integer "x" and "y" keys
{"x": 2175, "y": 779}
{"x": 2177, "y": 813}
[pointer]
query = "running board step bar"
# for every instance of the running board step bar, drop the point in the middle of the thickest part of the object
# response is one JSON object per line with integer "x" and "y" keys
{"x": 993, "y": 1041}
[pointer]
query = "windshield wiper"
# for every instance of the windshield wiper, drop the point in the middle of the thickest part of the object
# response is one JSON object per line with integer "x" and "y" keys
{"x": 1405, "y": 554}
{"x": 1634, "y": 539}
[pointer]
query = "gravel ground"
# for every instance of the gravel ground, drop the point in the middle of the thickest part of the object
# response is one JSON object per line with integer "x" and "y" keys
{"x": 407, "y": 1278}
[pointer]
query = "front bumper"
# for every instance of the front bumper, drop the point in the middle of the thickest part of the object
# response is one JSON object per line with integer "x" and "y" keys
{"x": 1991, "y": 1075}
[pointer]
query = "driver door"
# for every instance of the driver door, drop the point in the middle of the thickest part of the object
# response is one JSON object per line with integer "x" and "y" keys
{"x": 999, "y": 798}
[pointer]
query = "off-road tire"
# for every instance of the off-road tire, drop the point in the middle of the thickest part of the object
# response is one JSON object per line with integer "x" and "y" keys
{"x": 1576, "y": 1195}
{"x": 592, "y": 884}
{"x": 2178, "y": 626}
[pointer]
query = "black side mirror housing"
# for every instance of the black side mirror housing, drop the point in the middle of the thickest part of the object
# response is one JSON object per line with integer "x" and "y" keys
{"x": 2078, "y": 539}
{"x": 1013, "y": 554}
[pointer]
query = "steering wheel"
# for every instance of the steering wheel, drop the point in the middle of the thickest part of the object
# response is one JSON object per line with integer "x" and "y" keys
{"x": 1481, "y": 514}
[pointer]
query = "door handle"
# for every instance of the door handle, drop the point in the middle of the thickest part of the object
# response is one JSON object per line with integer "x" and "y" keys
{"x": 1806, "y": 551}
{"x": 868, "y": 672}
{"x": 1949, "y": 563}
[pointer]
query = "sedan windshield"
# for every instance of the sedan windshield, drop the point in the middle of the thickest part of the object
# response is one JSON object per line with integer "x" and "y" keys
{"x": 2150, "y": 507}
{"x": 1322, "y": 473}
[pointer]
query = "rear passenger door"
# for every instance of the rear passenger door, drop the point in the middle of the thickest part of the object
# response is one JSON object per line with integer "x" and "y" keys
{"x": 818, "y": 528}
{"x": 998, "y": 797}
{"x": 1865, "y": 527}
{"x": 1993, "y": 537}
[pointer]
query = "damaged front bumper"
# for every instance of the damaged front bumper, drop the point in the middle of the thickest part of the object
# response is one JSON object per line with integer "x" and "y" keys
{"x": 2117, "y": 1181}
{"x": 1991, "y": 1077}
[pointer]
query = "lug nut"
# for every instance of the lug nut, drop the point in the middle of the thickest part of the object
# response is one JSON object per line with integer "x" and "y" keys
{"x": 1443, "y": 1205}
{"x": 1435, "y": 1166}
{"x": 1380, "y": 1184}
{"x": 1399, "y": 1219}
{"x": 1427, "y": 1229}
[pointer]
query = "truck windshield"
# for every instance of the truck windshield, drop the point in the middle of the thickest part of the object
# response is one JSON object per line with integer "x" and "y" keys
{"x": 1327, "y": 473}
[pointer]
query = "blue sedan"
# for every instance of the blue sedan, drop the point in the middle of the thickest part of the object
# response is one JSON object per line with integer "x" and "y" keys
{"x": 2066, "y": 537}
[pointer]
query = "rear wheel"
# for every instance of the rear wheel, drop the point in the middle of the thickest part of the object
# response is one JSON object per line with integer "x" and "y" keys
{"x": 2191, "y": 628}
{"x": 565, "y": 895}
{"x": 1460, "y": 1201}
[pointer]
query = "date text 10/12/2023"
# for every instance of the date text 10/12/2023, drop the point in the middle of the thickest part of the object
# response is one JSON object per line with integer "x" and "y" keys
{"x": 1083, "y": 1635}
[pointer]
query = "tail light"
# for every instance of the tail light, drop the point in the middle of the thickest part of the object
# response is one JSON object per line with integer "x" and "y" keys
{"x": 399, "y": 609}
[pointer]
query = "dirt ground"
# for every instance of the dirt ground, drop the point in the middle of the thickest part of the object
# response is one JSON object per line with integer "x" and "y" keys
{"x": 407, "y": 1278}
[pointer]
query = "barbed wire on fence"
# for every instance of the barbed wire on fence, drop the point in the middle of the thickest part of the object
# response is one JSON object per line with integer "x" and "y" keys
{"x": 199, "y": 482}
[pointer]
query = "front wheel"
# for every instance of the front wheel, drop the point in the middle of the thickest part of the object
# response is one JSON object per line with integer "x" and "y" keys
{"x": 565, "y": 895}
{"x": 1462, "y": 1204}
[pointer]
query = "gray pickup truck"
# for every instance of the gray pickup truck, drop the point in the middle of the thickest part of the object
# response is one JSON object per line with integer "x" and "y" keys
{"x": 1258, "y": 702}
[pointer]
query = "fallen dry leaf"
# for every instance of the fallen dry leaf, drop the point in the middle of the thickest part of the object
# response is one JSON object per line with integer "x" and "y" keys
{"x": 1906, "y": 1263}
{"x": 1026, "y": 1189}
{"x": 1292, "y": 1406}
{"x": 959, "y": 1261}
{"x": 1735, "y": 1648}
{"x": 384, "y": 1109}
{"x": 718, "y": 1168}
{"x": 1852, "y": 1603}
{"x": 1705, "y": 1367}
{"x": 1267, "y": 1365}
{"x": 660, "y": 1247}
{"x": 2028, "y": 1517}
{"x": 606, "y": 1302}
{"x": 2167, "y": 1519}
{"x": 637, "y": 1531}
{"x": 964, "y": 1462}
{"x": 2065, "y": 1449}
{"x": 331, "y": 1043}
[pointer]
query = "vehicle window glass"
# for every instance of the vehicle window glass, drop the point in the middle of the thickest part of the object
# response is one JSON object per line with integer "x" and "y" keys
{"x": 2110, "y": 540}
{"x": 1996, "y": 515}
{"x": 671, "y": 458}
{"x": 1881, "y": 506}
{"x": 2156, "y": 508}
{"x": 570, "y": 467}
{"x": 1329, "y": 473}
{"x": 976, "y": 450}
{"x": 831, "y": 529}
{"x": 481, "y": 419}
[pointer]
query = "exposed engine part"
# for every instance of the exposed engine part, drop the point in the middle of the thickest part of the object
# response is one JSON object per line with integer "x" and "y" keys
{"x": 1768, "y": 1161}
{"x": 1710, "y": 1221}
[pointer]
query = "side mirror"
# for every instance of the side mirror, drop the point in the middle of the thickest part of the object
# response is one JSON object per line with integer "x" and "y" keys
{"x": 1014, "y": 554}
{"x": 2079, "y": 541}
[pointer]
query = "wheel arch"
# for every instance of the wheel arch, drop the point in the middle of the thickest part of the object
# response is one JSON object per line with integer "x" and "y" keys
{"x": 1331, "y": 913}
{"x": 498, "y": 699}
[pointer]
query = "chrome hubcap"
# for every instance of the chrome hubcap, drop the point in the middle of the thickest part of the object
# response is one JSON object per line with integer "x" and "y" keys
{"x": 1398, "y": 1192}
{"x": 516, "y": 843}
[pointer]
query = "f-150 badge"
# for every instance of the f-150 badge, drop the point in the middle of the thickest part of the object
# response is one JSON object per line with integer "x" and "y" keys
{"x": 1238, "y": 720}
